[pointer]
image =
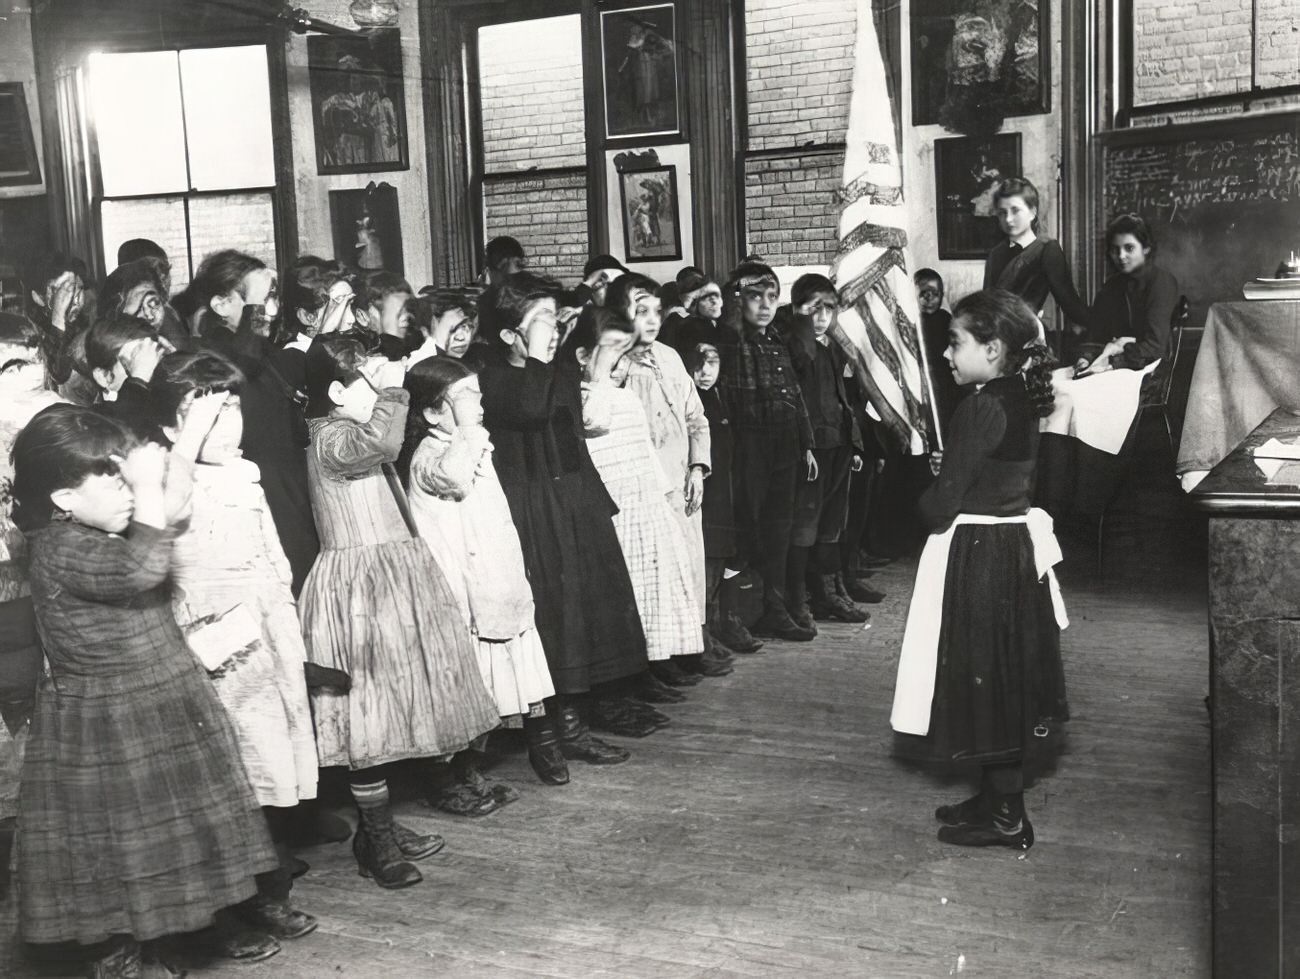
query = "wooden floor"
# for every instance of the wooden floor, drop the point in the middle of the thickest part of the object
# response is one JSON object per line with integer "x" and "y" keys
{"x": 769, "y": 832}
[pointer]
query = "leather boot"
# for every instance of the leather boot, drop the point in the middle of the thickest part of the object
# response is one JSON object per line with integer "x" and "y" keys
{"x": 378, "y": 855}
{"x": 578, "y": 744}
{"x": 466, "y": 767}
{"x": 120, "y": 961}
{"x": 834, "y": 605}
{"x": 733, "y": 634}
{"x": 668, "y": 672}
{"x": 1005, "y": 824}
{"x": 612, "y": 716}
{"x": 651, "y": 690}
{"x": 544, "y": 751}
{"x": 796, "y": 603}
{"x": 776, "y": 623}
{"x": 277, "y": 918}
{"x": 233, "y": 938}
{"x": 416, "y": 846}
{"x": 858, "y": 590}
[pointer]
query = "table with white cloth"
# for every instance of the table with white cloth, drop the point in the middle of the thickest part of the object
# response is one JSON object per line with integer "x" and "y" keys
{"x": 1079, "y": 457}
{"x": 1248, "y": 365}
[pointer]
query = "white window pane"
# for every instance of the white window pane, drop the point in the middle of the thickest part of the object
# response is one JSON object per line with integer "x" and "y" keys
{"x": 242, "y": 221}
{"x": 160, "y": 219}
{"x": 136, "y": 107}
{"x": 1172, "y": 63}
{"x": 228, "y": 115}
{"x": 1277, "y": 45}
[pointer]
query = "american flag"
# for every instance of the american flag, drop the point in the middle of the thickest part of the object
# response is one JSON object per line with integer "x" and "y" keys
{"x": 878, "y": 319}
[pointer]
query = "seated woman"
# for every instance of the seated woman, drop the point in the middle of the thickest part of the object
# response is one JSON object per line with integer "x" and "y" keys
{"x": 1137, "y": 302}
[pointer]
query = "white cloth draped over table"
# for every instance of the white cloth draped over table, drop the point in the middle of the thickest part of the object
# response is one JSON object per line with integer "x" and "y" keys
{"x": 918, "y": 661}
{"x": 1098, "y": 410}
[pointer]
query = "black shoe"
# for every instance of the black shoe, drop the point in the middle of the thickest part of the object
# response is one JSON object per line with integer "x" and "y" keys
{"x": 830, "y": 604}
{"x": 277, "y": 918}
{"x": 712, "y": 664}
{"x": 648, "y": 713}
{"x": 1018, "y": 836}
{"x": 973, "y": 810}
{"x": 593, "y": 751}
{"x": 613, "y": 717}
{"x": 802, "y": 616}
{"x": 652, "y": 690}
{"x": 670, "y": 673}
{"x": 776, "y": 623}
{"x": 859, "y": 591}
{"x": 416, "y": 846}
{"x": 377, "y": 853}
{"x": 732, "y": 633}
{"x": 232, "y": 939}
{"x": 544, "y": 751}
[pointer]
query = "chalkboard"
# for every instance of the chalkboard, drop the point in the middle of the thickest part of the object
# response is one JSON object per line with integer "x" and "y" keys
{"x": 1223, "y": 197}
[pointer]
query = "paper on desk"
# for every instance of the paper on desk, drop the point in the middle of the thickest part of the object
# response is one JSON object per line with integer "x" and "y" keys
{"x": 1112, "y": 348}
{"x": 1273, "y": 455}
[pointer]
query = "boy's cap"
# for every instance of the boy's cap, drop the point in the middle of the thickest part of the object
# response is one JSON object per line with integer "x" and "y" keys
{"x": 693, "y": 286}
{"x": 754, "y": 274}
{"x": 603, "y": 262}
{"x": 694, "y": 357}
{"x": 687, "y": 271}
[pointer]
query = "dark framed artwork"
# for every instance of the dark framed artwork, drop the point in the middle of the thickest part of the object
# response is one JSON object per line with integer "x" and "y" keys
{"x": 967, "y": 171}
{"x": 19, "y": 163}
{"x": 367, "y": 228}
{"x": 358, "y": 102}
{"x": 638, "y": 48}
{"x": 651, "y": 209}
{"x": 979, "y": 59}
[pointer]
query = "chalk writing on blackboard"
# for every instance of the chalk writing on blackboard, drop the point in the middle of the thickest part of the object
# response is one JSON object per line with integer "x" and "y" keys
{"x": 1161, "y": 180}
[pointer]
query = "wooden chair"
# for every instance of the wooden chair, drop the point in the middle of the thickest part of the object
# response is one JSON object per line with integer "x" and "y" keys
{"x": 1177, "y": 326}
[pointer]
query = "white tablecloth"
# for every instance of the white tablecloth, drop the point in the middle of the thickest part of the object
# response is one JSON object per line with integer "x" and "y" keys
{"x": 1097, "y": 410}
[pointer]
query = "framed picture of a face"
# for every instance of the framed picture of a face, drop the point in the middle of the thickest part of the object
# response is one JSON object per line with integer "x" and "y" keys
{"x": 19, "y": 163}
{"x": 652, "y": 224}
{"x": 968, "y": 171}
{"x": 968, "y": 54}
{"x": 367, "y": 229}
{"x": 639, "y": 64}
{"x": 358, "y": 103}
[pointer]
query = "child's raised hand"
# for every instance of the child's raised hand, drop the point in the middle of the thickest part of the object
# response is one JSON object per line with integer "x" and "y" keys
{"x": 144, "y": 467}
{"x": 383, "y": 373}
{"x": 199, "y": 419}
{"x": 610, "y": 349}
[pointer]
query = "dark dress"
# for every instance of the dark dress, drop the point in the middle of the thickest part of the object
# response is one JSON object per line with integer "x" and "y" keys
{"x": 999, "y": 666}
{"x": 275, "y": 437}
{"x": 136, "y": 816}
{"x": 716, "y": 512}
{"x": 1034, "y": 271}
{"x": 1139, "y": 305}
{"x": 586, "y": 610}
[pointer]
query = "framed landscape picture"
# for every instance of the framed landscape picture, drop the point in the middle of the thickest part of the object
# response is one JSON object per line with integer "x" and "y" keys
{"x": 652, "y": 221}
{"x": 967, "y": 172}
{"x": 367, "y": 229}
{"x": 639, "y": 65}
{"x": 968, "y": 54}
{"x": 358, "y": 102}
{"x": 19, "y": 163}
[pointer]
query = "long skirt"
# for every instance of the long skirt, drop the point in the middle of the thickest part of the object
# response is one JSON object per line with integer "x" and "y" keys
{"x": 514, "y": 672}
{"x": 386, "y": 616}
{"x": 136, "y": 816}
{"x": 999, "y": 668}
{"x": 659, "y": 563}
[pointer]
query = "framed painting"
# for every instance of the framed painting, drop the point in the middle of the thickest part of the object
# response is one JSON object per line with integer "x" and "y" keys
{"x": 968, "y": 171}
{"x": 367, "y": 229}
{"x": 358, "y": 102}
{"x": 19, "y": 163}
{"x": 979, "y": 57}
{"x": 652, "y": 221}
{"x": 638, "y": 48}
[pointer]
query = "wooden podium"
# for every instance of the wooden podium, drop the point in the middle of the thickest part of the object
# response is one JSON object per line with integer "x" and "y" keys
{"x": 1254, "y": 570}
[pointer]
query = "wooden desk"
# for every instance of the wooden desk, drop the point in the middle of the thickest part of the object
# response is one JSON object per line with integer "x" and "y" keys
{"x": 1255, "y": 694}
{"x": 1248, "y": 364}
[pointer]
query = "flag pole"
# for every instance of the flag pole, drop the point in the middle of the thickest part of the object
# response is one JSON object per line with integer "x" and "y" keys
{"x": 928, "y": 381}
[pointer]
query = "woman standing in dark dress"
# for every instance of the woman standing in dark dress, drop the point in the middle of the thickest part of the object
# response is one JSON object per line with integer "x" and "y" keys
{"x": 586, "y": 610}
{"x": 980, "y": 670}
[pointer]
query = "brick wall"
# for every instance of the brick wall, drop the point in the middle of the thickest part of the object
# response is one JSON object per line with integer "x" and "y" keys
{"x": 799, "y": 70}
{"x": 1184, "y": 49}
{"x": 791, "y": 211}
{"x": 531, "y": 91}
{"x": 549, "y": 217}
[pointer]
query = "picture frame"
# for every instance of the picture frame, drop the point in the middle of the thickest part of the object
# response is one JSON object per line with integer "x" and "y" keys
{"x": 367, "y": 228}
{"x": 358, "y": 102}
{"x": 639, "y": 71}
{"x": 650, "y": 208}
{"x": 19, "y": 163}
{"x": 953, "y": 78}
{"x": 968, "y": 170}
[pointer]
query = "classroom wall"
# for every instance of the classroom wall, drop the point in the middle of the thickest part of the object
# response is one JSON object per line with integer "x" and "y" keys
{"x": 1040, "y": 156}
{"x": 314, "y": 234}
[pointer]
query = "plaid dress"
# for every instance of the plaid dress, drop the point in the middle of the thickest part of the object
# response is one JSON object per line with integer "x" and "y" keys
{"x": 135, "y": 815}
{"x": 654, "y": 547}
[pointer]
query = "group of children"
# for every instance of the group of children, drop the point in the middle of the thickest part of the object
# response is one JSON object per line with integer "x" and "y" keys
{"x": 280, "y": 523}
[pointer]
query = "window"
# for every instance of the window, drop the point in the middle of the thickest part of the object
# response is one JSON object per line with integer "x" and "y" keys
{"x": 1186, "y": 51}
{"x": 185, "y": 152}
{"x": 533, "y": 164}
